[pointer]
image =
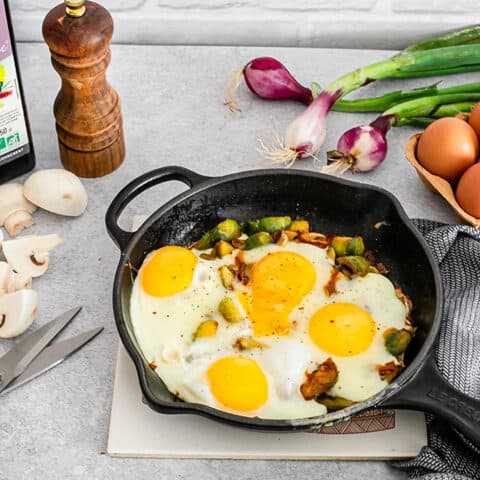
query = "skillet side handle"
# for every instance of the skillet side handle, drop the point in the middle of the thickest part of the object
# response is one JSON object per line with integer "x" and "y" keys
{"x": 136, "y": 187}
{"x": 428, "y": 391}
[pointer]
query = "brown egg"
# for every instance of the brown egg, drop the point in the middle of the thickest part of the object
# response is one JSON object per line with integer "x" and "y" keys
{"x": 468, "y": 191}
{"x": 474, "y": 119}
{"x": 448, "y": 147}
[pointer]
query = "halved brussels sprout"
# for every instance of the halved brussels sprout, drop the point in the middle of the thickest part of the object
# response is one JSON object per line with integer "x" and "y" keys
{"x": 257, "y": 240}
{"x": 246, "y": 343}
{"x": 226, "y": 230}
{"x": 348, "y": 246}
{"x": 207, "y": 328}
{"x": 300, "y": 226}
{"x": 229, "y": 310}
{"x": 227, "y": 277}
{"x": 334, "y": 403}
{"x": 272, "y": 224}
{"x": 355, "y": 264}
{"x": 250, "y": 227}
{"x": 396, "y": 341}
{"x": 223, "y": 248}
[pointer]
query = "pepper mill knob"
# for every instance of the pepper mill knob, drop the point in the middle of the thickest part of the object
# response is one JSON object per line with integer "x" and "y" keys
{"x": 75, "y": 8}
{"x": 87, "y": 108}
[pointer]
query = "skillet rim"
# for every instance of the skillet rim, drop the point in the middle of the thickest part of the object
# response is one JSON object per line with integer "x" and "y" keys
{"x": 180, "y": 406}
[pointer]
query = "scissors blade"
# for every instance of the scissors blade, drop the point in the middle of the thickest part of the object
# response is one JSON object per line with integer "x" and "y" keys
{"x": 15, "y": 361}
{"x": 51, "y": 356}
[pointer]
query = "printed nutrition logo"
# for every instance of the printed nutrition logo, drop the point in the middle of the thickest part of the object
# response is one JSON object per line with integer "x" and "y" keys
{"x": 9, "y": 141}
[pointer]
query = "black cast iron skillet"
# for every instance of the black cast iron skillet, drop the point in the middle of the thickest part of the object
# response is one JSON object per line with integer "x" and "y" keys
{"x": 331, "y": 205}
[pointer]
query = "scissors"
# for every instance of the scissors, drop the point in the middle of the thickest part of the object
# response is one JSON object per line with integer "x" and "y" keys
{"x": 31, "y": 356}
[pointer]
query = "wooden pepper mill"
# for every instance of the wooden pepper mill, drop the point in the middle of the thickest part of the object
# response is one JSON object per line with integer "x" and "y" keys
{"x": 87, "y": 108}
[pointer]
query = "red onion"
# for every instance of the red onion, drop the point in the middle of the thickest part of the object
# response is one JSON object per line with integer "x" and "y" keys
{"x": 304, "y": 136}
{"x": 360, "y": 149}
{"x": 269, "y": 79}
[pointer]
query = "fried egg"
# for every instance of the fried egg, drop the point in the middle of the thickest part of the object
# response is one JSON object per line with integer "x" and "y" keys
{"x": 284, "y": 309}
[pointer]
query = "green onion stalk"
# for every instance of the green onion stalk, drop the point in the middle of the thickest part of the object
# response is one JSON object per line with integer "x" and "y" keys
{"x": 384, "y": 102}
{"x": 465, "y": 36}
{"x": 449, "y": 110}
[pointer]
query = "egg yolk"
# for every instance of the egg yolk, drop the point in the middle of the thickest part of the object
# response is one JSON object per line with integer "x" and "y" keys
{"x": 342, "y": 329}
{"x": 279, "y": 281}
{"x": 168, "y": 271}
{"x": 238, "y": 383}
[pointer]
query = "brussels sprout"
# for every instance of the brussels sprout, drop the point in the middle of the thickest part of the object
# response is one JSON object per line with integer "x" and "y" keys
{"x": 227, "y": 277}
{"x": 226, "y": 230}
{"x": 257, "y": 240}
{"x": 208, "y": 256}
{"x": 206, "y": 241}
{"x": 348, "y": 246}
{"x": 222, "y": 248}
{"x": 207, "y": 328}
{"x": 331, "y": 253}
{"x": 334, "y": 403}
{"x": 300, "y": 226}
{"x": 354, "y": 264}
{"x": 272, "y": 224}
{"x": 246, "y": 343}
{"x": 250, "y": 227}
{"x": 396, "y": 341}
{"x": 229, "y": 310}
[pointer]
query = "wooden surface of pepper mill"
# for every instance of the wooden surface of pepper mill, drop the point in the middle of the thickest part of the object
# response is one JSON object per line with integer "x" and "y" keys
{"x": 87, "y": 108}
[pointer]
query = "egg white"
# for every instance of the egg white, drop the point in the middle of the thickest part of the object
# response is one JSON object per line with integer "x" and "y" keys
{"x": 164, "y": 328}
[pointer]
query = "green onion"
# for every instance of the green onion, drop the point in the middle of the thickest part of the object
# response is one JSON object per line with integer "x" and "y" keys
{"x": 464, "y": 36}
{"x": 418, "y": 122}
{"x": 427, "y": 106}
{"x": 384, "y": 102}
{"x": 452, "y": 109}
{"x": 448, "y": 110}
{"x": 381, "y": 103}
{"x": 436, "y": 72}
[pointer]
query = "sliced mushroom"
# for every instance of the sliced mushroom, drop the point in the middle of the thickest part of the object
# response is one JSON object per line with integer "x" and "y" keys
{"x": 5, "y": 277}
{"x": 17, "y": 311}
{"x": 15, "y": 209}
{"x": 29, "y": 255}
{"x": 56, "y": 190}
{"x": 19, "y": 281}
{"x": 11, "y": 281}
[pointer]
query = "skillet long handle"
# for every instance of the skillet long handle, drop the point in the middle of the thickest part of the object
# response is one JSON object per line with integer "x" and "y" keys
{"x": 428, "y": 391}
{"x": 136, "y": 187}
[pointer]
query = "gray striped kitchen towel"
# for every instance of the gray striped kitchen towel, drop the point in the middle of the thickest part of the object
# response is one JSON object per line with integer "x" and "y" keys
{"x": 456, "y": 248}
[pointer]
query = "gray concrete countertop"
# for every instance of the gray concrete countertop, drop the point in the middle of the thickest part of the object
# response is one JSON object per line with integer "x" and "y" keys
{"x": 56, "y": 426}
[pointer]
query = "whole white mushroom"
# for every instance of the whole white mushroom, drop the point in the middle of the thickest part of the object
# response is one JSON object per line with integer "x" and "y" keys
{"x": 56, "y": 190}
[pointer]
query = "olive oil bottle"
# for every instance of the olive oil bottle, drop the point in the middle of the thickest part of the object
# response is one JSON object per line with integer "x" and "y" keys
{"x": 16, "y": 148}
